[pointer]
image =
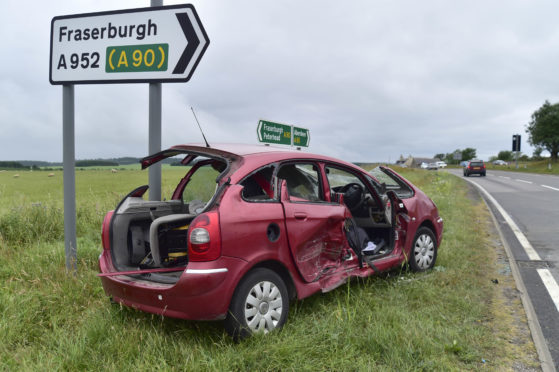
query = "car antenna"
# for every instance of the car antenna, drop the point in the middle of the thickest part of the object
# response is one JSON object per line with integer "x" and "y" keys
{"x": 205, "y": 140}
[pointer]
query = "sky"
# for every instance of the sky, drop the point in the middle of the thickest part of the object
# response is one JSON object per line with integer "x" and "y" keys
{"x": 371, "y": 80}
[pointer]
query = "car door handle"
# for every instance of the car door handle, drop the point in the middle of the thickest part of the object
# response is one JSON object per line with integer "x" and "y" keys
{"x": 300, "y": 215}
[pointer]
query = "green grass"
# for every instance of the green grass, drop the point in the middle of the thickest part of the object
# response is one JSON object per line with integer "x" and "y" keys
{"x": 541, "y": 167}
{"x": 442, "y": 320}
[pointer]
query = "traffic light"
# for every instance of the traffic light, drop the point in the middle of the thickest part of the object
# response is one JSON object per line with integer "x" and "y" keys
{"x": 516, "y": 142}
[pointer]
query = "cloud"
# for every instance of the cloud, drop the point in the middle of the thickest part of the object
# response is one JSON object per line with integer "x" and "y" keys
{"x": 370, "y": 79}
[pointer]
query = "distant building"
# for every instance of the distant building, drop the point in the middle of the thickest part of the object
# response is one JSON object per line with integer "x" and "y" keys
{"x": 412, "y": 162}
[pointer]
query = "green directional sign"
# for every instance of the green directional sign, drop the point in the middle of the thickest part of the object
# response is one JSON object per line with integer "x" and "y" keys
{"x": 282, "y": 134}
{"x": 301, "y": 137}
{"x": 270, "y": 132}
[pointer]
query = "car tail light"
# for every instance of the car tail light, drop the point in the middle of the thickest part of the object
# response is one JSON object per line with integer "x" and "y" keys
{"x": 204, "y": 238}
{"x": 105, "y": 231}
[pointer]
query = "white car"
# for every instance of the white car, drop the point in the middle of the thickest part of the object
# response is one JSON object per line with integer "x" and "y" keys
{"x": 441, "y": 164}
{"x": 500, "y": 162}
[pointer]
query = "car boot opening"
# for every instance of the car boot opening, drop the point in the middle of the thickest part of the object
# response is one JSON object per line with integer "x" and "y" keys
{"x": 148, "y": 237}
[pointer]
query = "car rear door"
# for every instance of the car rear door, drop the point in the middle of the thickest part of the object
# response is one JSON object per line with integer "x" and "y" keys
{"x": 314, "y": 226}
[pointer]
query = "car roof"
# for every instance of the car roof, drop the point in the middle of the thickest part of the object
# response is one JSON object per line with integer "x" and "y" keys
{"x": 249, "y": 157}
{"x": 237, "y": 150}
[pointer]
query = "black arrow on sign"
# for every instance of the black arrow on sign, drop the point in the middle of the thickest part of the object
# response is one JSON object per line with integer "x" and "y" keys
{"x": 192, "y": 45}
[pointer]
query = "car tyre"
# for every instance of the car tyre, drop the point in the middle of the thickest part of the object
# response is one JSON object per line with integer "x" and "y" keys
{"x": 423, "y": 250}
{"x": 260, "y": 304}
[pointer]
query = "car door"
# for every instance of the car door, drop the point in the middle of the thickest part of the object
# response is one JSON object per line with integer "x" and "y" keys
{"x": 314, "y": 226}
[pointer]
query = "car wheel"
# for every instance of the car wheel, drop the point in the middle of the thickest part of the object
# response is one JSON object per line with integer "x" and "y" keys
{"x": 260, "y": 304}
{"x": 423, "y": 250}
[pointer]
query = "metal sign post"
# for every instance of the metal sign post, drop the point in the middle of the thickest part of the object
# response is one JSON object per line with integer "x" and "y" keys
{"x": 154, "y": 141}
{"x": 68, "y": 159}
{"x": 144, "y": 45}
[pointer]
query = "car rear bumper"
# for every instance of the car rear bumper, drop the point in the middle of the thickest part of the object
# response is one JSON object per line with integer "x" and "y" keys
{"x": 203, "y": 291}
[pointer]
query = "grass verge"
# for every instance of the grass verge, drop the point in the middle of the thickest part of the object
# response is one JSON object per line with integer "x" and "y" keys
{"x": 452, "y": 318}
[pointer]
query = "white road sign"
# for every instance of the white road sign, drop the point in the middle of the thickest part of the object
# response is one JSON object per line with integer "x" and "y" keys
{"x": 158, "y": 44}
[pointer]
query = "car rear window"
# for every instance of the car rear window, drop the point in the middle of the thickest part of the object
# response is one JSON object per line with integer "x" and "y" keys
{"x": 476, "y": 164}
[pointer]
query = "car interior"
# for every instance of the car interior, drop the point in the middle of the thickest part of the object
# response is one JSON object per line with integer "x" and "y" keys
{"x": 153, "y": 234}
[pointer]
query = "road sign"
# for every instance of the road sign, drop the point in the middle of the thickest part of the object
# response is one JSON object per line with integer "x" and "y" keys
{"x": 144, "y": 45}
{"x": 516, "y": 142}
{"x": 282, "y": 134}
{"x": 275, "y": 133}
{"x": 301, "y": 137}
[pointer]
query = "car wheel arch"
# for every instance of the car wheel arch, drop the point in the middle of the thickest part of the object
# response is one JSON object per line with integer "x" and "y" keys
{"x": 279, "y": 269}
{"x": 273, "y": 265}
{"x": 431, "y": 226}
{"x": 425, "y": 240}
{"x": 427, "y": 223}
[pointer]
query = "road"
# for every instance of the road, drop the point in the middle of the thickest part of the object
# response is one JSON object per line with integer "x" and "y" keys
{"x": 527, "y": 209}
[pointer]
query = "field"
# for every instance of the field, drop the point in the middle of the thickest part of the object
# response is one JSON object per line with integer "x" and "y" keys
{"x": 452, "y": 318}
{"x": 541, "y": 166}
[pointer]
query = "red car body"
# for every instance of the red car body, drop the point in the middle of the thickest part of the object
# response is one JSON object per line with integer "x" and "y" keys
{"x": 274, "y": 210}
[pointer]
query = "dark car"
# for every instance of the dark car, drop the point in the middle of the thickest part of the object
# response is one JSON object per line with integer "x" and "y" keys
{"x": 249, "y": 228}
{"x": 475, "y": 167}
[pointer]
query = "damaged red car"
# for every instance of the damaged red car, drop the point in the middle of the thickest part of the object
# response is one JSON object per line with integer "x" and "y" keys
{"x": 250, "y": 228}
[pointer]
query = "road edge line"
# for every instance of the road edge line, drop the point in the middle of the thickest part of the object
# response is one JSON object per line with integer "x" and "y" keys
{"x": 546, "y": 361}
{"x": 524, "y": 242}
{"x": 551, "y": 285}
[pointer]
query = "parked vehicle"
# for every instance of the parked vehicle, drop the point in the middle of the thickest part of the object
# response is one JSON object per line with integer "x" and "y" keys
{"x": 500, "y": 162}
{"x": 441, "y": 164}
{"x": 249, "y": 228}
{"x": 432, "y": 166}
{"x": 464, "y": 163}
{"x": 475, "y": 167}
{"x": 424, "y": 165}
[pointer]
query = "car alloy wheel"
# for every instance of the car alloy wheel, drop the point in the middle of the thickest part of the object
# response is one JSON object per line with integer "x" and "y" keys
{"x": 260, "y": 304}
{"x": 424, "y": 250}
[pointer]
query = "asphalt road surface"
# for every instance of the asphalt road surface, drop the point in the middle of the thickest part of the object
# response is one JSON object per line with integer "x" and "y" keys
{"x": 527, "y": 209}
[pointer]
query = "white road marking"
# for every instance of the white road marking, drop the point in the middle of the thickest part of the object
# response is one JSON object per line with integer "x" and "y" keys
{"x": 508, "y": 178}
{"x": 530, "y": 182}
{"x": 530, "y": 251}
{"x": 552, "y": 188}
{"x": 551, "y": 285}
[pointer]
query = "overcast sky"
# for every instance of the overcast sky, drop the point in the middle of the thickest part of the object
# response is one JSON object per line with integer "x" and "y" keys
{"x": 371, "y": 79}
